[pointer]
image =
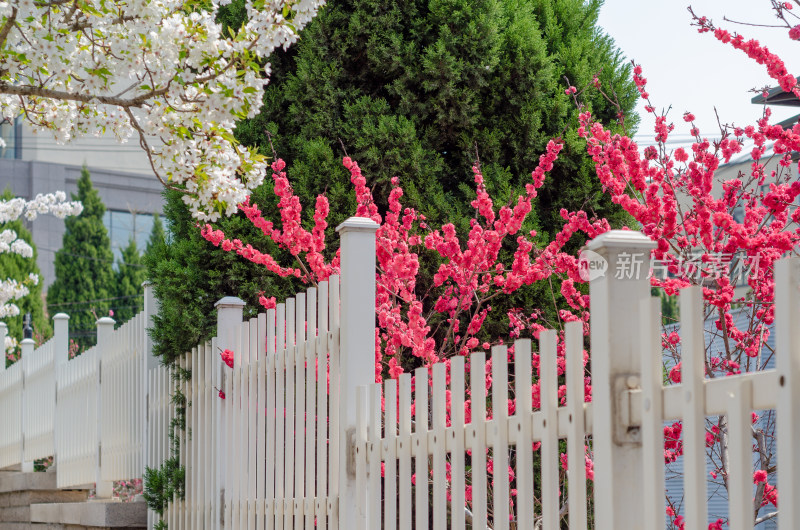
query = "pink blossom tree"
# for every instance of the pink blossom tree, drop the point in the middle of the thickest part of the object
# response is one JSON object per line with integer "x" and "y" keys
{"x": 723, "y": 234}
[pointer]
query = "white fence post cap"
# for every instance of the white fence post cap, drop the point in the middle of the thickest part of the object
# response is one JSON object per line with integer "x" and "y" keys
{"x": 230, "y": 301}
{"x": 105, "y": 321}
{"x": 358, "y": 224}
{"x": 61, "y": 316}
{"x": 621, "y": 239}
{"x": 25, "y": 342}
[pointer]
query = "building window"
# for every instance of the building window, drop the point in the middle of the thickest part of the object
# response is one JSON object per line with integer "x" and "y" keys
{"x": 123, "y": 226}
{"x": 11, "y": 133}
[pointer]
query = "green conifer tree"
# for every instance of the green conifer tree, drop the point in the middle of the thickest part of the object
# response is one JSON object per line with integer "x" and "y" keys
{"x": 129, "y": 278}
{"x": 157, "y": 236}
{"x": 418, "y": 89}
{"x": 16, "y": 267}
{"x": 413, "y": 89}
{"x": 84, "y": 274}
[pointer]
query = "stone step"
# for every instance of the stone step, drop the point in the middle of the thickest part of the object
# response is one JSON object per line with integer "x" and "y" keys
{"x": 17, "y": 526}
{"x": 48, "y": 526}
{"x": 15, "y": 514}
{"x": 11, "y": 481}
{"x": 19, "y": 481}
{"x": 26, "y": 498}
{"x": 92, "y": 514}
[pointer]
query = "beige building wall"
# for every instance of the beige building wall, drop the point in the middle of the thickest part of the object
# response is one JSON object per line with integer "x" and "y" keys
{"x": 102, "y": 152}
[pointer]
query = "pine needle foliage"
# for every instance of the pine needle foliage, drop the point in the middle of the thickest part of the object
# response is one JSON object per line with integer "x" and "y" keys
{"x": 130, "y": 275}
{"x": 418, "y": 89}
{"x": 83, "y": 266}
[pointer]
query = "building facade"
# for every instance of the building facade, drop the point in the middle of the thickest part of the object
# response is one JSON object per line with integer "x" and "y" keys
{"x": 33, "y": 163}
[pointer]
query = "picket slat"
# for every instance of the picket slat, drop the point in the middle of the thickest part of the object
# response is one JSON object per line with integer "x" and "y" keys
{"x": 420, "y": 448}
{"x": 273, "y": 389}
{"x": 300, "y": 410}
{"x": 477, "y": 439}
{"x": 652, "y": 420}
{"x": 457, "y": 424}
{"x": 404, "y": 452}
{"x": 694, "y": 419}
{"x": 576, "y": 473}
{"x": 255, "y": 437}
{"x": 311, "y": 408}
{"x": 322, "y": 374}
{"x": 289, "y": 469}
{"x": 438, "y": 412}
{"x": 262, "y": 411}
{"x": 548, "y": 392}
{"x": 390, "y": 450}
{"x": 374, "y": 457}
{"x": 523, "y": 376}
{"x": 500, "y": 438}
{"x": 280, "y": 416}
{"x": 335, "y": 382}
{"x": 740, "y": 454}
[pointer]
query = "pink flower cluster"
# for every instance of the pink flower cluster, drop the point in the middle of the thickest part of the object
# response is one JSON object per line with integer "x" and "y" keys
{"x": 678, "y": 200}
{"x": 755, "y": 51}
{"x": 469, "y": 275}
{"x": 227, "y": 357}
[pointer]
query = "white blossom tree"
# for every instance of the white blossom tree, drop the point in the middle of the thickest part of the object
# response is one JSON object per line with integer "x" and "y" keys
{"x": 12, "y": 289}
{"x": 163, "y": 72}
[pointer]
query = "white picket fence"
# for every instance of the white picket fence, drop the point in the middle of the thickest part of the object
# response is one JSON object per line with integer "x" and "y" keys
{"x": 39, "y": 411}
{"x": 123, "y": 403}
{"x": 278, "y": 421}
{"x": 160, "y": 413}
{"x": 77, "y": 412}
{"x": 86, "y": 411}
{"x": 305, "y": 439}
{"x": 11, "y": 407}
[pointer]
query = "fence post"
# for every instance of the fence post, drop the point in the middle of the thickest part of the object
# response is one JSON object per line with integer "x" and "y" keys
{"x": 105, "y": 330}
{"x": 619, "y": 265}
{"x": 357, "y": 339}
{"x": 3, "y": 335}
{"x": 787, "y": 339}
{"x": 150, "y": 362}
{"x": 26, "y": 351}
{"x": 60, "y": 338}
{"x": 60, "y": 357}
{"x": 229, "y": 318}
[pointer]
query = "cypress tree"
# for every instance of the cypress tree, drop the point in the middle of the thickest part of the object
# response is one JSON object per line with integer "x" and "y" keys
{"x": 16, "y": 267}
{"x": 413, "y": 89}
{"x": 418, "y": 89}
{"x": 129, "y": 278}
{"x": 157, "y": 236}
{"x": 84, "y": 275}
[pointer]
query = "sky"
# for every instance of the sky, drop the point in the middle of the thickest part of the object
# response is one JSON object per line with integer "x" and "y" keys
{"x": 695, "y": 72}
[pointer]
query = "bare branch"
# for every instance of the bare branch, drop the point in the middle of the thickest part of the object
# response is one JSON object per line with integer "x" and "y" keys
{"x": 28, "y": 90}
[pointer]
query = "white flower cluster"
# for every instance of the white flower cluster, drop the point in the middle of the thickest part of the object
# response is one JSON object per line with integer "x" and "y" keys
{"x": 9, "y": 242}
{"x": 10, "y": 344}
{"x": 11, "y": 289}
{"x": 161, "y": 70}
{"x": 11, "y": 210}
{"x": 54, "y": 203}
